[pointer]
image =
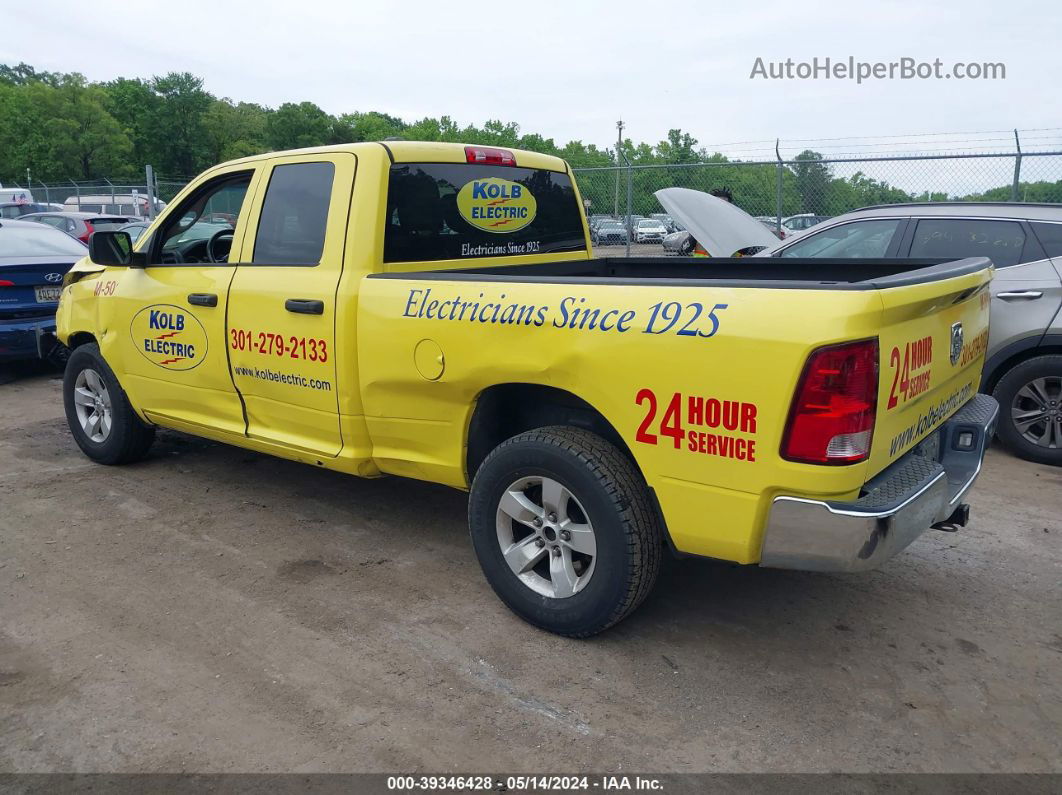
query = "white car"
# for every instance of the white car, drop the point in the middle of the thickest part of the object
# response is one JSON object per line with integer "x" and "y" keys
{"x": 649, "y": 230}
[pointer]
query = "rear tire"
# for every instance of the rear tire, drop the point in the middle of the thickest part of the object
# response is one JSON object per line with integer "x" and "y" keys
{"x": 98, "y": 412}
{"x": 581, "y": 580}
{"x": 1030, "y": 409}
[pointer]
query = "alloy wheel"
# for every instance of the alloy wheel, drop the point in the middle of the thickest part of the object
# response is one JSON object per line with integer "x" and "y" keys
{"x": 546, "y": 537}
{"x": 1036, "y": 411}
{"x": 92, "y": 402}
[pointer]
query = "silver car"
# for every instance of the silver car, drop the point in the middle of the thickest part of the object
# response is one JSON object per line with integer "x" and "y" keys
{"x": 1023, "y": 369}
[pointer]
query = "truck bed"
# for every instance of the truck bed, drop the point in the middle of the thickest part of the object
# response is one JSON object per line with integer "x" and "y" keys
{"x": 806, "y": 274}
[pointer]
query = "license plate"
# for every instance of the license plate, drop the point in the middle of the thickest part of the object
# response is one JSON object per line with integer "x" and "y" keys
{"x": 47, "y": 295}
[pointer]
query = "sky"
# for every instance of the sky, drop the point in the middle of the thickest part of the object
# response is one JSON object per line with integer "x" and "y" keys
{"x": 570, "y": 70}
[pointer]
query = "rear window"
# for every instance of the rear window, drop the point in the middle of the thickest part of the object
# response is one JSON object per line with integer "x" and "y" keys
{"x": 956, "y": 238}
{"x": 37, "y": 240}
{"x": 99, "y": 224}
{"x": 1050, "y": 236}
{"x": 440, "y": 211}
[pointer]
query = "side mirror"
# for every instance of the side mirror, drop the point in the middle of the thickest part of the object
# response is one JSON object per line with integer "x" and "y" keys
{"x": 111, "y": 248}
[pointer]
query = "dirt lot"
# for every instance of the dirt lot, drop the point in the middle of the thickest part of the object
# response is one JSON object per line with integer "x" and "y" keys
{"x": 217, "y": 610}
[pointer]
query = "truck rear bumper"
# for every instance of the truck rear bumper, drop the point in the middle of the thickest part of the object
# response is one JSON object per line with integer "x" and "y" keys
{"x": 921, "y": 489}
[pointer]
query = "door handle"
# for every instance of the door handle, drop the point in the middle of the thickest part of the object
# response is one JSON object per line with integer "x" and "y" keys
{"x": 304, "y": 307}
{"x": 1021, "y": 295}
{"x": 203, "y": 299}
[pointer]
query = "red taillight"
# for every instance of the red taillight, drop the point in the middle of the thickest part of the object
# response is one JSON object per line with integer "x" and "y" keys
{"x": 832, "y": 417}
{"x": 6, "y": 283}
{"x": 489, "y": 156}
{"x": 88, "y": 232}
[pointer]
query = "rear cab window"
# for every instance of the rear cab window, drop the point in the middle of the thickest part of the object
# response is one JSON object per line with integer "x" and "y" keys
{"x": 464, "y": 211}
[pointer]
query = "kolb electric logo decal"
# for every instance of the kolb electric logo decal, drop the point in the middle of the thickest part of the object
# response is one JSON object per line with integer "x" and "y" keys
{"x": 496, "y": 205}
{"x": 169, "y": 337}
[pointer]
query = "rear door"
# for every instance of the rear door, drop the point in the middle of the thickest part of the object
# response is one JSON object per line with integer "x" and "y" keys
{"x": 282, "y": 302}
{"x": 1026, "y": 291}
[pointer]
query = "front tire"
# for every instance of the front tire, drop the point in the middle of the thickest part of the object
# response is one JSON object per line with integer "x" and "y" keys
{"x": 564, "y": 529}
{"x": 1030, "y": 403}
{"x": 98, "y": 412}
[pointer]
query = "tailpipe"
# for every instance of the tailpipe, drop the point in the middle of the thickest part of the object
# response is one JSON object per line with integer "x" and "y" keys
{"x": 959, "y": 518}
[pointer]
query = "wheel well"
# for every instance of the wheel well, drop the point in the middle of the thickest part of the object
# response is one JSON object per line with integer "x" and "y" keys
{"x": 505, "y": 410}
{"x": 1001, "y": 369}
{"x": 79, "y": 338}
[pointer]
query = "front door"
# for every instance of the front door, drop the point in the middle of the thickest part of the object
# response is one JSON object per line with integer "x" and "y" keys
{"x": 282, "y": 303}
{"x": 172, "y": 312}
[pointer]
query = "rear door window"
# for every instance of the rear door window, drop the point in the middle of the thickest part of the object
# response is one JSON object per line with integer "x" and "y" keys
{"x": 291, "y": 230}
{"x": 955, "y": 238}
{"x": 443, "y": 211}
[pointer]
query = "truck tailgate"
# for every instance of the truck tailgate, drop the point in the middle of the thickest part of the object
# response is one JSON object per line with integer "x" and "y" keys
{"x": 932, "y": 344}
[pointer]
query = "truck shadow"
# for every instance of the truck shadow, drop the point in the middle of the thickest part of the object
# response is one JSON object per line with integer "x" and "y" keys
{"x": 697, "y": 603}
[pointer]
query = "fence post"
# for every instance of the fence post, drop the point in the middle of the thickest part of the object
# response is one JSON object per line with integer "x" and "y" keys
{"x": 112, "y": 190}
{"x": 1017, "y": 168}
{"x": 630, "y": 190}
{"x": 47, "y": 193}
{"x": 778, "y": 190}
{"x": 77, "y": 192}
{"x": 149, "y": 178}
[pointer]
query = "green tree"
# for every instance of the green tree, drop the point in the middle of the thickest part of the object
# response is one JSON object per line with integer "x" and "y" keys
{"x": 23, "y": 73}
{"x": 812, "y": 181}
{"x": 232, "y": 130}
{"x": 294, "y": 126}
{"x": 135, "y": 105}
{"x": 94, "y": 144}
{"x": 372, "y": 126}
{"x": 177, "y": 123}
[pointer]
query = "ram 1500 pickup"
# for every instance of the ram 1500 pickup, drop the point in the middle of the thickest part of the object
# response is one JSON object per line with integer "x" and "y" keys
{"x": 435, "y": 311}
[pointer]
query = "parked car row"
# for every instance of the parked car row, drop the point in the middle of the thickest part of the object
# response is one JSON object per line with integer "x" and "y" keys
{"x": 606, "y": 230}
{"x": 16, "y": 202}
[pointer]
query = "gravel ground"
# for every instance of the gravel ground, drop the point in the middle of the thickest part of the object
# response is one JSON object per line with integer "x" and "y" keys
{"x": 215, "y": 610}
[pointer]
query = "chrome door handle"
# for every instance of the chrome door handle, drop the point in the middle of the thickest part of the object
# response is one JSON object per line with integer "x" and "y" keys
{"x": 1021, "y": 295}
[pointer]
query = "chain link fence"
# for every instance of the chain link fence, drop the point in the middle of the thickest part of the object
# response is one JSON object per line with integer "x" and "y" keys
{"x": 772, "y": 190}
{"x": 101, "y": 195}
{"x": 776, "y": 190}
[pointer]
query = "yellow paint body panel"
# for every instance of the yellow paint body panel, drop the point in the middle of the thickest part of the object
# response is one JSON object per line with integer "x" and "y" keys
{"x": 702, "y": 413}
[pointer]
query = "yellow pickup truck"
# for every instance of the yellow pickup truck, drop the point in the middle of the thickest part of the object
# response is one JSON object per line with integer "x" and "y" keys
{"x": 434, "y": 311}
